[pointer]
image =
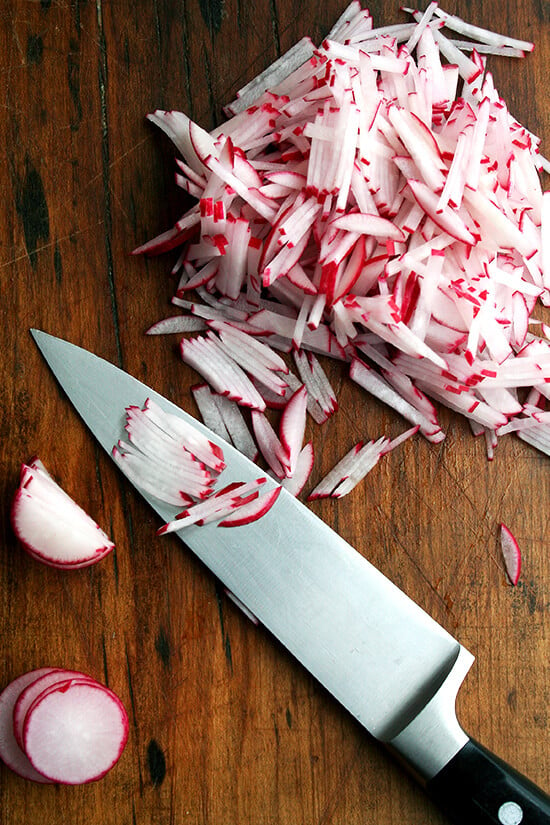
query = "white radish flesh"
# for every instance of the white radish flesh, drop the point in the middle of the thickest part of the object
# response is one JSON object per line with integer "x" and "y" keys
{"x": 76, "y": 732}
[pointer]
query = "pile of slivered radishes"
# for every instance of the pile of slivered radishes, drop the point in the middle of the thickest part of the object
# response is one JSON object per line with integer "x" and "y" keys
{"x": 372, "y": 200}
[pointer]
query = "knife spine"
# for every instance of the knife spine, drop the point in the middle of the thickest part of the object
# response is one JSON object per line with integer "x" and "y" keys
{"x": 435, "y": 736}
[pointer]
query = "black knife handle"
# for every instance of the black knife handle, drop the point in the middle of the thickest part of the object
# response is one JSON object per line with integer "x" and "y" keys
{"x": 477, "y": 788}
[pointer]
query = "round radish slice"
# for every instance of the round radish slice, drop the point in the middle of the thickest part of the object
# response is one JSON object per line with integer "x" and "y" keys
{"x": 51, "y": 526}
{"x": 76, "y": 732}
{"x": 10, "y": 752}
{"x": 35, "y": 688}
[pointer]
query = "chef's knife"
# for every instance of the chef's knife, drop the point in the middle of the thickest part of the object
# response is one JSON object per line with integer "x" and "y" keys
{"x": 392, "y": 666}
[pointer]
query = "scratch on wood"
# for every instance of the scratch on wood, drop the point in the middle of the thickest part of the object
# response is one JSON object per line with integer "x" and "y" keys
{"x": 105, "y": 665}
{"x": 186, "y": 64}
{"x": 275, "y": 26}
{"x": 102, "y": 80}
{"x": 73, "y": 80}
{"x": 445, "y": 600}
{"x": 225, "y": 636}
{"x": 57, "y": 264}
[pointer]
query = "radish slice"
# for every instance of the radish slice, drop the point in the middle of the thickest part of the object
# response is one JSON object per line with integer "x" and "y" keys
{"x": 364, "y": 461}
{"x": 511, "y": 554}
{"x": 75, "y": 732}
{"x": 337, "y": 474}
{"x": 241, "y": 605}
{"x": 51, "y": 526}
{"x": 33, "y": 690}
{"x": 75, "y": 737}
{"x": 10, "y": 751}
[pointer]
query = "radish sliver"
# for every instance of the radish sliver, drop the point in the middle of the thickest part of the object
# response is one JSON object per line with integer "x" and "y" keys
{"x": 511, "y": 554}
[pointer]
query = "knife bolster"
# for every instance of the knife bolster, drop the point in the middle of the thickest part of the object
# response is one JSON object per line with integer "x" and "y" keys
{"x": 434, "y": 736}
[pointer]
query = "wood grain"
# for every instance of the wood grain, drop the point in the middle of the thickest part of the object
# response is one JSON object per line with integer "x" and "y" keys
{"x": 225, "y": 727}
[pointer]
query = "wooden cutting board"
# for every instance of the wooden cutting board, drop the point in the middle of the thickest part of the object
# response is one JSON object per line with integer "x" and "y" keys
{"x": 224, "y": 726}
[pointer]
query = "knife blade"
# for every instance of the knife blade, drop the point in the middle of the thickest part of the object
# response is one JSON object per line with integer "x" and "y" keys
{"x": 394, "y": 668}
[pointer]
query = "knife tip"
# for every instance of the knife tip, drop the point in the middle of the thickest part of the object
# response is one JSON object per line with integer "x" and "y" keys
{"x": 39, "y": 336}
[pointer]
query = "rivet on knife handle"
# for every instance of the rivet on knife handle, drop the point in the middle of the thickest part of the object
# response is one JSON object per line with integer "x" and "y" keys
{"x": 477, "y": 788}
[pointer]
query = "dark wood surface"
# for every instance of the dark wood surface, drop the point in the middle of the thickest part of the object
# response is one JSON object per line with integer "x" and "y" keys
{"x": 224, "y": 726}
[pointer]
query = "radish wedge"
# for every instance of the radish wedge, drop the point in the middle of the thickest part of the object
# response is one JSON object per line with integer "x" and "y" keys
{"x": 10, "y": 751}
{"x": 75, "y": 732}
{"x": 511, "y": 554}
{"x": 51, "y": 526}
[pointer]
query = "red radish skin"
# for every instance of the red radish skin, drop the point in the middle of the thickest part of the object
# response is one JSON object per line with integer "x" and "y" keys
{"x": 511, "y": 554}
{"x": 76, "y": 733}
{"x": 10, "y": 751}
